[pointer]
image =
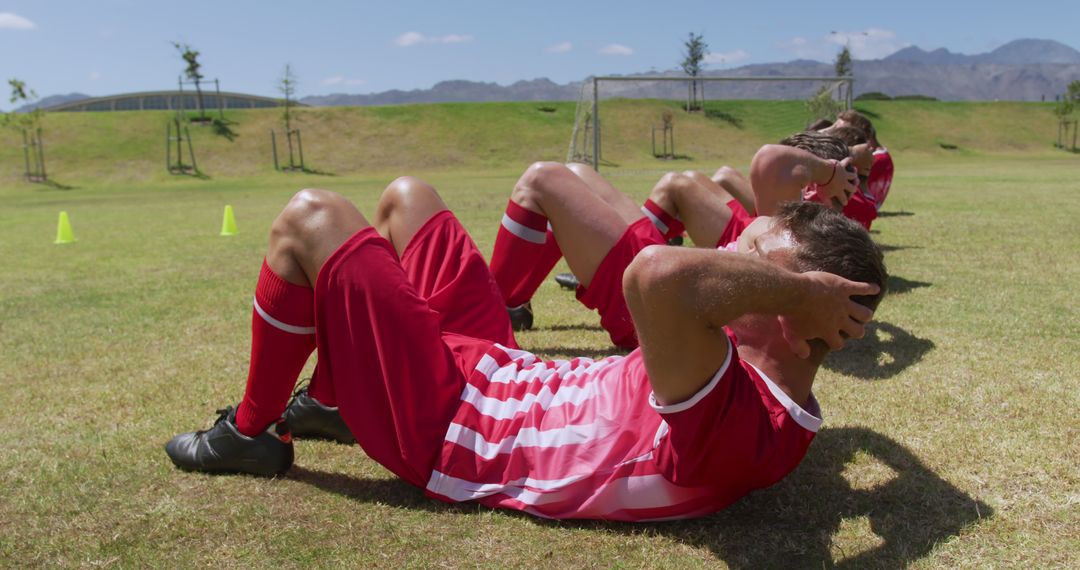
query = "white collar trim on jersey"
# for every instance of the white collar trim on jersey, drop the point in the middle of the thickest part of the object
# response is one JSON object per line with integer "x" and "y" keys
{"x": 810, "y": 420}
{"x": 687, "y": 404}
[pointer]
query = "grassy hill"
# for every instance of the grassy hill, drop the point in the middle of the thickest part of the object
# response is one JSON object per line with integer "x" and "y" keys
{"x": 129, "y": 147}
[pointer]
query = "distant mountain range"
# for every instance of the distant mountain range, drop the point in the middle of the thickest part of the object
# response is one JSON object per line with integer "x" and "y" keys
{"x": 1017, "y": 52}
{"x": 1021, "y": 70}
{"x": 1024, "y": 70}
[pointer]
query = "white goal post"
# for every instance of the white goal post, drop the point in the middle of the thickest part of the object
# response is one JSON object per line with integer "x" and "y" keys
{"x": 592, "y": 116}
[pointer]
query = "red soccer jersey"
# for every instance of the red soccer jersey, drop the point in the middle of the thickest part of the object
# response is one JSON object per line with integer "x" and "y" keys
{"x": 585, "y": 439}
{"x": 881, "y": 175}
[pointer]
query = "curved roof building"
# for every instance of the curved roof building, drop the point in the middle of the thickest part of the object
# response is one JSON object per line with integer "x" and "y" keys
{"x": 168, "y": 100}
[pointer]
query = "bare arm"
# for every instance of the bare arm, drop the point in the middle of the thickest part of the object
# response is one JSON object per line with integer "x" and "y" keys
{"x": 680, "y": 299}
{"x": 778, "y": 173}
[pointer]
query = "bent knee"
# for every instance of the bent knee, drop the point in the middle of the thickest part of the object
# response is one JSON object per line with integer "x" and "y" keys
{"x": 580, "y": 168}
{"x": 309, "y": 201}
{"x": 673, "y": 183}
{"x": 303, "y": 207}
{"x": 407, "y": 185}
{"x": 725, "y": 173}
{"x": 540, "y": 179}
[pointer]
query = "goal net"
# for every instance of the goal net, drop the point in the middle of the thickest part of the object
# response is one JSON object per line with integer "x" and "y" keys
{"x": 637, "y": 121}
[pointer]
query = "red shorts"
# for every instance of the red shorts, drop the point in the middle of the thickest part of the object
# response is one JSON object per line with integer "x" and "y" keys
{"x": 605, "y": 292}
{"x": 391, "y": 342}
{"x": 740, "y": 218}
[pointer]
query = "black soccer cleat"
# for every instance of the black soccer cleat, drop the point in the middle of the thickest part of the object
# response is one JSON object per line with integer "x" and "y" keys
{"x": 521, "y": 316}
{"x": 223, "y": 449}
{"x": 567, "y": 280}
{"x": 307, "y": 418}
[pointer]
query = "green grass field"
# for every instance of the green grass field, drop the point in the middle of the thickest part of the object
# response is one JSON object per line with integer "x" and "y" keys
{"x": 950, "y": 435}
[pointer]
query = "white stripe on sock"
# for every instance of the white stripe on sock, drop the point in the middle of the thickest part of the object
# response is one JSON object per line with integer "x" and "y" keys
{"x": 524, "y": 232}
{"x": 655, "y": 220}
{"x": 280, "y": 325}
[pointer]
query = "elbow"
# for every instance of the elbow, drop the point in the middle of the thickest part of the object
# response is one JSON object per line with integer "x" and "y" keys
{"x": 652, "y": 271}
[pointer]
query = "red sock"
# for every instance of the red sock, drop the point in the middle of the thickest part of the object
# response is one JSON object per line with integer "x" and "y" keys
{"x": 525, "y": 252}
{"x": 321, "y": 390}
{"x": 282, "y": 339}
{"x": 669, "y": 225}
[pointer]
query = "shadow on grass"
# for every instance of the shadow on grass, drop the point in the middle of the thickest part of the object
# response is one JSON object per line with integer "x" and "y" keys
{"x": 859, "y": 500}
{"x": 306, "y": 170}
{"x": 576, "y": 327}
{"x": 578, "y": 351}
{"x": 884, "y": 352}
{"x": 899, "y": 285}
{"x": 55, "y": 185}
{"x": 895, "y": 214}
{"x": 223, "y": 128}
{"x": 724, "y": 116}
{"x": 390, "y": 491}
{"x": 888, "y": 248}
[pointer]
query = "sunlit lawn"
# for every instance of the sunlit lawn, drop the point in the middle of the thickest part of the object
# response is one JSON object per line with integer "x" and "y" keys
{"x": 951, "y": 434}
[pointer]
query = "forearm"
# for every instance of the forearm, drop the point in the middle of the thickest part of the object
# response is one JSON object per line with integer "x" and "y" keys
{"x": 715, "y": 287}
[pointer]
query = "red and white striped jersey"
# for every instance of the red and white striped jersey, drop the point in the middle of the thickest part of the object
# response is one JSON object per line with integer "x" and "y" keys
{"x": 583, "y": 438}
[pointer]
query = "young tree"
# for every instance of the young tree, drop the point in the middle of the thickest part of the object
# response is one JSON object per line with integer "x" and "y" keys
{"x": 694, "y": 54}
{"x": 29, "y": 126}
{"x": 843, "y": 63}
{"x": 823, "y": 106}
{"x": 1064, "y": 109}
{"x": 287, "y": 87}
{"x": 191, "y": 58}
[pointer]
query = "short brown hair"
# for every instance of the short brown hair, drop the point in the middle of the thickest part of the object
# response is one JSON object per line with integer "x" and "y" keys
{"x": 825, "y": 240}
{"x": 859, "y": 121}
{"x": 850, "y": 135}
{"x": 820, "y": 144}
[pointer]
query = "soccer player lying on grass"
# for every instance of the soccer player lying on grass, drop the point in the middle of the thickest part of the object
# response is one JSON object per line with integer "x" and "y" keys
{"x": 875, "y": 183}
{"x": 845, "y": 142}
{"x": 682, "y": 427}
{"x": 527, "y": 247}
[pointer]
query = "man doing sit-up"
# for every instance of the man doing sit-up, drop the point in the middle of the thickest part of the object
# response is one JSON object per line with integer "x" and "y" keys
{"x": 527, "y": 246}
{"x": 409, "y": 332}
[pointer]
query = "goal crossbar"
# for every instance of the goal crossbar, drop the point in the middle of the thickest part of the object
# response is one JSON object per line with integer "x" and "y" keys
{"x": 596, "y": 80}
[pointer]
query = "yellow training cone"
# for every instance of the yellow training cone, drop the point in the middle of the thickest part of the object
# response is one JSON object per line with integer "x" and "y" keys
{"x": 228, "y": 223}
{"x": 64, "y": 234}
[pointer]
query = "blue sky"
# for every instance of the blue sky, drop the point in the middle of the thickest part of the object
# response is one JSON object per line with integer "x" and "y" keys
{"x": 102, "y": 47}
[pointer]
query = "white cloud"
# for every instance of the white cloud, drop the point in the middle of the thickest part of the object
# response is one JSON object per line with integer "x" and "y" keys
{"x": 560, "y": 48}
{"x": 727, "y": 57}
{"x": 342, "y": 80}
{"x": 95, "y": 75}
{"x": 616, "y": 49}
{"x": 409, "y": 39}
{"x": 15, "y": 22}
{"x": 872, "y": 43}
{"x": 454, "y": 39}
